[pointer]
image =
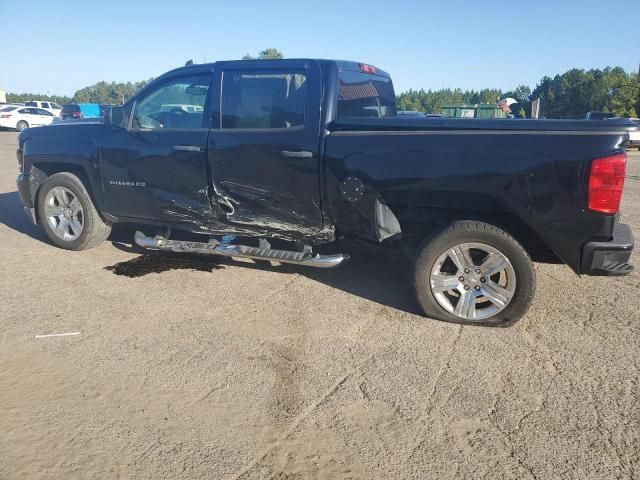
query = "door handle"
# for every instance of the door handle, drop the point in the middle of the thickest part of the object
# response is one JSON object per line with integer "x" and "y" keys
{"x": 186, "y": 148}
{"x": 301, "y": 154}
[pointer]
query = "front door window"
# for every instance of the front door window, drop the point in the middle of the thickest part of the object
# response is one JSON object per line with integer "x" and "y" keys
{"x": 178, "y": 103}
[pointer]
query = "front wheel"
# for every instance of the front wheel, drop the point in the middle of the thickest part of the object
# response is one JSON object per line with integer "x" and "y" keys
{"x": 474, "y": 273}
{"x": 21, "y": 125}
{"x": 67, "y": 213}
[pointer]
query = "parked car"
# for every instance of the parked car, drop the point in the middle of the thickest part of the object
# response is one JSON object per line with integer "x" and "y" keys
{"x": 634, "y": 136}
{"x": 50, "y": 106}
{"x": 80, "y": 110}
{"x": 286, "y": 153}
{"x": 7, "y": 107}
{"x": 25, "y": 117}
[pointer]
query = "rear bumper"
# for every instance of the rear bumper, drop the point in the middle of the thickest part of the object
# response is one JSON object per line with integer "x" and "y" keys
{"x": 609, "y": 258}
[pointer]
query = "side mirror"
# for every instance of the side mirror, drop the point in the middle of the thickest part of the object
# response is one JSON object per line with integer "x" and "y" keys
{"x": 115, "y": 116}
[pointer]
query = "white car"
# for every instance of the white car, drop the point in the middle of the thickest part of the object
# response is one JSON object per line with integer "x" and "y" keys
{"x": 50, "y": 106}
{"x": 7, "y": 107}
{"x": 634, "y": 136}
{"x": 25, "y": 117}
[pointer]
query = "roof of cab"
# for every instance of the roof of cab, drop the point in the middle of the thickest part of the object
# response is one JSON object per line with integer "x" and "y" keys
{"x": 343, "y": 65}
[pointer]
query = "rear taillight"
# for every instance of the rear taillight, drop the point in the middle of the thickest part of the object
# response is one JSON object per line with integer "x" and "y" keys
{"x": 5, "y": 115}
{"x": 364, "y": 68}
{"x": 76, "y": 115}
{"x": 605, "y": 183}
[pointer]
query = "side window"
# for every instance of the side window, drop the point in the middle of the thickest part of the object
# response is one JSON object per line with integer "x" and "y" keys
{"x": 44, "y": 112}
{"x": 45, "y": 105}
{"x": 55, "y": 106}
{"x": 25, "y": 111}
{"x": 176, "y": 103}
{"x": 263, "y": 98}
{"x": 30, "y": 104}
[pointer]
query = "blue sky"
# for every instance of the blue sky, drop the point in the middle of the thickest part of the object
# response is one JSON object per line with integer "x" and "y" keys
{"x": 423, "y": 44}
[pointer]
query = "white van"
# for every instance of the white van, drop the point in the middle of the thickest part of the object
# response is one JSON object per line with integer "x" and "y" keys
{"x": 49, "y": 106}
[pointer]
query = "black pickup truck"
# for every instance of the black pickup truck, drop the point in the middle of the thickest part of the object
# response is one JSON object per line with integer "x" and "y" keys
{"x": 273, "y": 160}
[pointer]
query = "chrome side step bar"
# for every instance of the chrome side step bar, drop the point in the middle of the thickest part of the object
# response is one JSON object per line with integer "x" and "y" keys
{"x": 228, "y": 250}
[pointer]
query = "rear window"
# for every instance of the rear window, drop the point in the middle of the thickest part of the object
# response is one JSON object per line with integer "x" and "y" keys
{"x": 8, "y": 109}
{"x": 364, "y": 95}
{"x": 30, "y": 104}
{"x": 70, "y": 108}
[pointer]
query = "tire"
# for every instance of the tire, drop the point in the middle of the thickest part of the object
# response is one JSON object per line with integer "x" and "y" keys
{"x": 498, "y": 287}
{"x": 68, "y": 215}
{"x": 21, "y": 125}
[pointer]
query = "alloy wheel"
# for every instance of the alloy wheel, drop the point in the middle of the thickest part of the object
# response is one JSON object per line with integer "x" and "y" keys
{"x": 473, "y": 281}
{"x": 63, "y": 212}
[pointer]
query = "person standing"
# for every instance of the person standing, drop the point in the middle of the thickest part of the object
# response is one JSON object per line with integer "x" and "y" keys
{"x": 508, "y": 106}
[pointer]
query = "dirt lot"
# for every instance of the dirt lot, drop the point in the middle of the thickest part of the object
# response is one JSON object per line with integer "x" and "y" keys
{"x": 223, "y": 370}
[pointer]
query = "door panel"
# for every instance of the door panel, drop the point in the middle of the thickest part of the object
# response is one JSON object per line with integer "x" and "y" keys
{"x": 147, "y": 178}
{"x": 264, "y": 153}
{"x": 156, "y": 169}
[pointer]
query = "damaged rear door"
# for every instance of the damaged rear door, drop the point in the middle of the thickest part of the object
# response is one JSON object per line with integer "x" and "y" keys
{"x": 263, "y": 151}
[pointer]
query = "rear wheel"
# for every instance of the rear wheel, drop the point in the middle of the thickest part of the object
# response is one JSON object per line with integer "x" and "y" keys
{"x": 67, "y": 213}
{"x": 474, "y": 273}
{"x": 21, "y": 125}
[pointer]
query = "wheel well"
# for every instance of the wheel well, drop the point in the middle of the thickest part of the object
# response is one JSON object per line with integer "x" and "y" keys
{"x": 45, "y": 170}
{"x": 419, "y": 224}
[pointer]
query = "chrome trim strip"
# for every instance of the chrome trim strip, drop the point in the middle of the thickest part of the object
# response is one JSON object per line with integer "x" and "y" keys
{"x": 356, "y": 133}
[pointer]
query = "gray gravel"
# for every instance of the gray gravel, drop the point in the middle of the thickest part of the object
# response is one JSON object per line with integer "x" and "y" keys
{"x": 237, "y": 370}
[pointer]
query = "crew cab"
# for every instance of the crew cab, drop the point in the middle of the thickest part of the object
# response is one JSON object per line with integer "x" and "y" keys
{"x": 293, "y": 160}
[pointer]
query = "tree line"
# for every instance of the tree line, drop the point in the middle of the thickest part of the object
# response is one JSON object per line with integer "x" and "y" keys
{"x": 568, "y": 95}
{"x": 112, "y": 93}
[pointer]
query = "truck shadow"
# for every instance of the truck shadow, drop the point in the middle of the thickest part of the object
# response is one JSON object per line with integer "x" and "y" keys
{"x": 13, "y": 216}
{"x": 368, "y": 274}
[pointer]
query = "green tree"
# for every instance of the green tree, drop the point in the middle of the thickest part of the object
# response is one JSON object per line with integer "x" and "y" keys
{"x": 266, "y": 54}
{"x": 25, "y": 97}
{"x": 108, "y": 92}
{"x": 432, "y": 101}
{"x": 576, "y": 92}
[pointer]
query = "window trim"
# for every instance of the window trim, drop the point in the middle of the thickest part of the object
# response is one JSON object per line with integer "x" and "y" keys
{"x": 206, "y": 113}
{"x": 275, "y": 69}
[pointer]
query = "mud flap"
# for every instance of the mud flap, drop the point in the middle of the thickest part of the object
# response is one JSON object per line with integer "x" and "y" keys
{"x": 387, "y": 224}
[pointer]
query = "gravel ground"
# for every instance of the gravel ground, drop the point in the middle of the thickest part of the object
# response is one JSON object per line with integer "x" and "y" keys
{"x": 216, "y": 369}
